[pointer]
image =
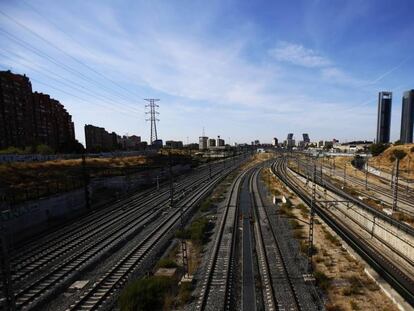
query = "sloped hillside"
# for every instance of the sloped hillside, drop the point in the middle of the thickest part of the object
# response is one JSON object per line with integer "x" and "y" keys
{"x": 384, "y": 162}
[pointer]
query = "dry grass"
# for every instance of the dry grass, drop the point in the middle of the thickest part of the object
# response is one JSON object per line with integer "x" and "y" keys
{"x": 383, "y": 161}
{"x": 342, "y": 277}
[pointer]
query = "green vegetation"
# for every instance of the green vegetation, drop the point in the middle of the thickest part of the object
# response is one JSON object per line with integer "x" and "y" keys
{"x": 167, "y": 263}
{"x": 354, "y": 305}
{"x": 40, "y": 149}
{"x": 295, "y": 224}
{"x": 333, "y": 239}
{"x": 146, "y": 294}
{"x": 333, "y": 307}
{"x": 355, "y": 287}
{"x": 44, "y": 149}
{"x": 397, "y": 154}
{"x": 303, "y": 246}
{"x": 304, "y": 211}
{"x": 322, "y": 280}
{"x": 13, "y": 150}
{"x": 377, "y": 149}
{"x": 197, "y": 231}
{"x": 206, "y": 205}
{"x": 31, "y": 180}
{"x": 286, "y": 209}
{"x": 184, "y": 294}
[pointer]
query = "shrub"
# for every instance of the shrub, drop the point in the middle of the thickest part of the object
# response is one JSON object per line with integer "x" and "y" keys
{"x": 333, "y": 239}
{"x": 377, "y": 149}
{"x": 205, "y": 206}
{"x": 295, "y": 224}
{"x": 167, "y": 263}
{"x": 354, "y": 305}
{"x": 11, "y": 150}
{"x": 322, "y": 280}
{"x": 198, "y": 230}
{"x": 145, "y": 294}
{"x": 44, "y": 149}
{"x": 355, "y": 286}
{"x": 184, "y": 294}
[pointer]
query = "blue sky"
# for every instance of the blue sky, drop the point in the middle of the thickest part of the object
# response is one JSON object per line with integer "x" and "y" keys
{"x": 244, "y": 70}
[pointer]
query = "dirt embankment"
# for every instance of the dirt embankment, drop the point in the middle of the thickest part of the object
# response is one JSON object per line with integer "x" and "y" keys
{"x": 385, "y": 163}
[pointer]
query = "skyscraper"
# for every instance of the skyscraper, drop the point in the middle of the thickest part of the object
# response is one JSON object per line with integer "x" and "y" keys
{"x": 384, "y": 117}
{"x": 407, "y": 117}
{"x": 306, "y": 138}
{"x": 290, "y": 142}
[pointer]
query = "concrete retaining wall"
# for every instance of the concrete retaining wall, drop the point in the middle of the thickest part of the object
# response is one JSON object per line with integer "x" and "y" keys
{"x": 28, "y": 218}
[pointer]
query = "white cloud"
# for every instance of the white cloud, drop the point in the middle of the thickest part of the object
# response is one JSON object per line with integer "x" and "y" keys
{"x": 298, "y": 55}
{"x": 182, "y": 69}
{"x": 338, "y": 76}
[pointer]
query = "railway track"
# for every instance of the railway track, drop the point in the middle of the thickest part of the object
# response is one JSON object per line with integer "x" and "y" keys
{"x": 403, "y": 197}
{"x": 53, "y": 262}
{"x": 381, "y": 215}
{"x": 215, "y": 288}
{"x": 387, "y": 269}
{"x": 279, "y": 292}
{"x": 104, "y": 292}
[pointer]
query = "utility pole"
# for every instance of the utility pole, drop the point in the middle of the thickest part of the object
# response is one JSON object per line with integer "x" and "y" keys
{"x": 321, "y": 173}
{"x": 85, "y": 176}
{"x": 408, "y": 174}
{"x": 311, "y": 221}
{"x": 171, "y": 179}
{"x": 344, "y": 175}
{"x": 395, "y": 190}
{"x": 153, "y": 117}
{"x": 366, "y": 174}
{"x": 6, "y": 273}
{"x": 183, "y": 241}
{"x": 209, "y": 165}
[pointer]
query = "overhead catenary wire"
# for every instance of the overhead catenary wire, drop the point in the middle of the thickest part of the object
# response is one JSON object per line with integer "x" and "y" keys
{"x": 109, "y": 108}
{"x": 65, "y": 53}
{"x": 69, "y": 83}
{"x": 53, "y": 60}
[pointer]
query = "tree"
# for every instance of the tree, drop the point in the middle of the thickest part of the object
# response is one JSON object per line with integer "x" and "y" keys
{"x": 44, "y": 149}
{"x": 11, "y": 150}
{"x": 377, "y": 149}
{"x": 145, "y": 294}
{"x": 398, "y": 154}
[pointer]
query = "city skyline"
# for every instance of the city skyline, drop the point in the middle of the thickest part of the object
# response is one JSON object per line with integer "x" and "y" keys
{"x": 238, "y": 64}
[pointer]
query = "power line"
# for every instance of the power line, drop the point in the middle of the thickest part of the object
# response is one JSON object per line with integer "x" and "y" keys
{"x": 76, "y": 86}
{"x": 76, "y": 96}
{"x": 53, "y": 60}
{"x": 64, "y": 52}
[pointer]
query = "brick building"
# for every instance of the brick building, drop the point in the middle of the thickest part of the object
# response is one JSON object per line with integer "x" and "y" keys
{"x": 15, "y": 110}
{"x": 98, "y": 139}
{"x": 53, "y": 125}
{"x": 29, "y": 119}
